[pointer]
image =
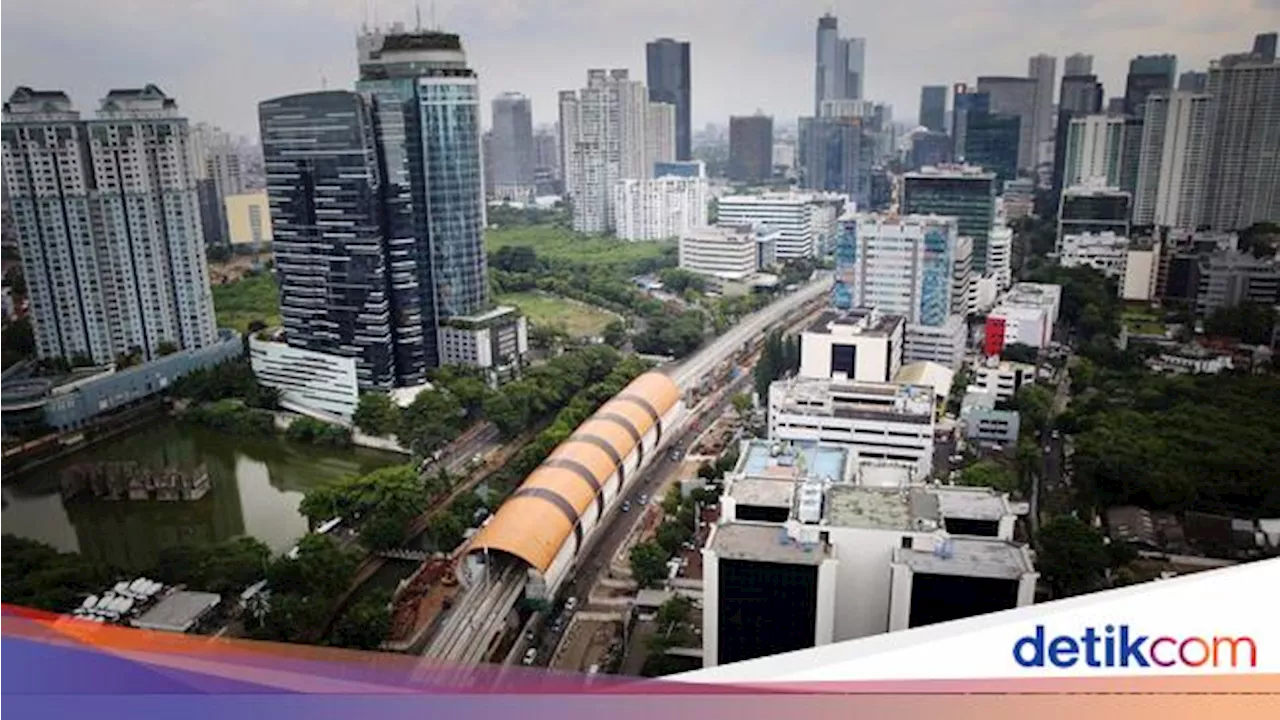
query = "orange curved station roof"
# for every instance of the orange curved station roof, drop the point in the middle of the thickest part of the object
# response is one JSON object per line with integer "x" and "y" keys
{"x": 535, "y": 522}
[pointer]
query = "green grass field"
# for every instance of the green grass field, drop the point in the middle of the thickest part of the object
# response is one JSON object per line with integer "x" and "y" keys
{"x": 553, "y": 242}
{"x": 253, "y": 298}
{"x": 577, "y": 319}
{"x": 1142, "y": 321}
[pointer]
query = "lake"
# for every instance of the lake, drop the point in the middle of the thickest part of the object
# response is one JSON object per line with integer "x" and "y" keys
{"x": 256, "y": 485}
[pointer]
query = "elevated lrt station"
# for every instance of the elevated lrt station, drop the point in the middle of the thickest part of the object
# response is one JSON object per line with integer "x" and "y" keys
{"x": 532, "y": 544}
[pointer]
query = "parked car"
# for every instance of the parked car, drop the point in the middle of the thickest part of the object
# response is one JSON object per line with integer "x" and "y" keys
{"x": 570, "y": 604}
{"x": 530, "y": 655}
{"x": 626, "y": 506}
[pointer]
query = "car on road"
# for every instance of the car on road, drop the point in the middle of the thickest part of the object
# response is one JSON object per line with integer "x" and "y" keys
{"x": 530, "y": 655}
{"x": 570, "y": 604}
{"x": 626, "y": 506}
{"x": 644, "y": 499}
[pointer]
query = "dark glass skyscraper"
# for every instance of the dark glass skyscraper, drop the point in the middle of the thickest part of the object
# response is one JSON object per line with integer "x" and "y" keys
{"x": 966, "y": 193}
{"x": 750, "y": 148}
{"x": 667, "y": 63}
{"x": 991, "y": 142}
{"x": 933, "y": 107}
{"x": 835, "y": 156}
{"x": 324, "y": 190}
{"x": 1147, "y": 73}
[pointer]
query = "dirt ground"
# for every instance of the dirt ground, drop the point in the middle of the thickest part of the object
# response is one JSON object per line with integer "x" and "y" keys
{"x": 587, "y": 645}
{"x": 234, "y": 269}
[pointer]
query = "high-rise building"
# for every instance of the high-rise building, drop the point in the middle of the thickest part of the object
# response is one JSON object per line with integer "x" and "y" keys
{"x": 1147, "y": 73}
{"x": 603, "y": 139}
{"x": 1077, "y": 64}
{"x": 917, "y": 267}
{"x": 1095, "y": 150}
{"x": 964, "y": 192}
{"x": 425, "y": 105}
{"x": 750, "y": 148}
{"x": 991, "y": 142}
{"x": 1094, "y": 208}
{"x": 933, "y": 107}
{"x": 929, "y": 148}
{"x": 108, "y": 223}
{"x": 1193, "y": 81}
{"x": 839, "y": 65}
{"x": 1242, "y": 181}
{"x": 667, "y": 62}
{"x": 1264, "y": 46}
{"x": 966, "y": 101}
{"x": 218, "y": 176}
{"x": 546, "y": 163}
{"x": 835, "y": 156}
{"x": 1080, "y": 95}
{"x": 331, "y": 254}
{"x": 659, "y": 208}
{"x": 660, "y": 134}
{"x": 1172, "y": 160}
{"x": 1042, "y": 69}
{"x": 512, "y": 150}
{"x": 1015, "y": 96}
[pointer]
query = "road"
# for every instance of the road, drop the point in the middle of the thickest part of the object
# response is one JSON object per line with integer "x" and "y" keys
{"x": 1051, "y": 478}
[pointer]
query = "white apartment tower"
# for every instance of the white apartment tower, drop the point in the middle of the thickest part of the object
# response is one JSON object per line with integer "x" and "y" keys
{"x": 218, "y": 175}
{"x": 1171, "y": 163}
{"x": 602, "y": 131}
{"x": 660, "y": 135}
{"x": 1242, "y": 178}
{"x": 109, "y": 224}
{"x": 659, "y": 208}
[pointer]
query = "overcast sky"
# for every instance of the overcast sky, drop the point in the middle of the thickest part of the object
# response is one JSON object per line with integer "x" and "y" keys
{"x": 219, "y": 58}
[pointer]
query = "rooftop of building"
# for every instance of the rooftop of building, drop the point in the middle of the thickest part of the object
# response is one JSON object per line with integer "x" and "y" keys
{"x": 764, "y": 543}
{"x": 968, "y": 557}
{"x": 856, "y": 400}
{"x": 951, "y": 171}
{"x": 1033, "y": 294}
{"x": 994, "y": 363}
{"x": 971, "y": 503}
{"x": 879, "y": 474}
{"x": 1108, "y": 237}
{"x": 795, "y": 461}
{"x": 1097, "y": 189}
{"x": 762, "y": 492}
{"x": 874, "y": 508}
{"x": 867, "y": 322}
{"x": 930, "y": 374}
{"x": 178, "y": 611}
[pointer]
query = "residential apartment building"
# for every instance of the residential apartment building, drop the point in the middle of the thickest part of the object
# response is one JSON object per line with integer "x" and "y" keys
{"x": 1171, "y": 165}
{"x": 107, "y": 215}
{"x": 602, "y": 133}
{"x": 218, "y": 174}
{"x": 1242, "y": 175}
{"x": 790, "y": 214}
{"x": 660, "y": 134}
{"x": 1095, "y": 150}
{"x": 659, "y": 208}
{"x": 964, "y": 192}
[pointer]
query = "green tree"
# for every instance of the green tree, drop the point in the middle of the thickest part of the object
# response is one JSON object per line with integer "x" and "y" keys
{"x": 988, "y": 473}
{"x": 320, "y": 569}
{"x": 377, "y": 414}
{"x": 671, "y": 535}
{"x": 742, "y": 403}
{"x": 38, "y": 576}
{"x": 648, "y": 563}
{"x": 1247, "y": 322}
{"x": 365, "y": 624}
{"x": 615, "y": 334}
{"x": 1034, "y": 404}
{"x": 1073, "y": 558}
{"x": 676, "y": 611}
{"x": 431, "y": 421}
{"x": 166, "y": 347}
{"x": 18, "y": 341}
{"x": 677, "y": 280}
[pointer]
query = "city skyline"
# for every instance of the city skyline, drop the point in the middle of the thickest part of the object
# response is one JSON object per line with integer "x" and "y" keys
{"x": 187, "y": 49}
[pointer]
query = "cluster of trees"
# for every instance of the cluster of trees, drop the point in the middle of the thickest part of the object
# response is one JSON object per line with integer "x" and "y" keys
{"x": 673, "y": 335}
{"x": 36, "y": 575}
{"x": 435, "y": 417}
{"x": 233, "y": 416}
{"x": 778, "y": 358}
{"x": 231, "y": 379}
{"x": 1177, "y": 443}
{"x": 674, "y": 627}
{"x": 318, "y": 432}
{"x": 17, "y": 341}
{"x": 510, "y": 216}
{"x": 797, "y": 271}
{"x": 649, "y": 559}
{"x": 678, "y": 280}
{"x": 1090, "y": 305}
{"x": 381, "y": 503}
{"x": 543, "y": 390}
{"x": 1073, "y": 558}
{"x": 226, "y": 568}
{"x": 1250, "y": 323}
{"x": 989, "y": 473}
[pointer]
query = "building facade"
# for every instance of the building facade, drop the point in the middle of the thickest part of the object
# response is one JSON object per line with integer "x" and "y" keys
{"x": 316, "y": 384}
{"x": 218, "y": 175}
{"x": 1171, "y": 163}
{"x": 750, "y": 148}
{"x": 790, "y": 214}
{"x": 861, "y": 345}
{"x": 914, "y": 266}
{"x": 512, "y": 149}
{"x": 602, "y": 133}
{"x": 659, "y": 208}
{"x": 667, "y": 63}
{"x": 964, "y": 192}
{"x": 1015, "y": 96}
{"x": 839, "y": 66}
{"x": 108, "y": 221}
{"x": 1242, "y": 175}
{"x": 1044, "y": 70}
{"x": 248, "y": 219}
{"x": 660, "y": 135}
{"x": 836, "y": 156}
{"x": 728, "y": 251}
{"x": 1105, "y": 252}
{"x": 1095, "y": 150}
{"x": 933, "y": 108}
{"x": 1147, "y": 74}
{"x": 1094, "y": 209}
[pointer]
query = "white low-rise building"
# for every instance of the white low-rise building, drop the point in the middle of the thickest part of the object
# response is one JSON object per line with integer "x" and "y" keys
{"x": 724, "y": 250}
{"x": 943, "y": 344}
{"x": 882, "y": 421}
{"x": 659, "y": 208}
{"x": 1000, "y": 255}
{"x": 1105, "y": 252}
{"x": 311, "y": 383}
{"x": 1026, "y": 315}
{"x": 1191, "y": 359}
{"x": 1141, "y": 271}
{"x": 496, "y": 341}
{"x": 1002, "y": 378}
{"x": 862, "y": 345}
{"x": 790, "y": 214}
